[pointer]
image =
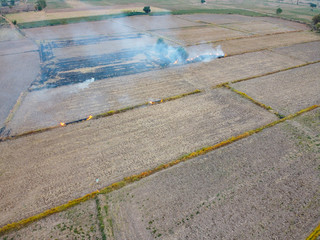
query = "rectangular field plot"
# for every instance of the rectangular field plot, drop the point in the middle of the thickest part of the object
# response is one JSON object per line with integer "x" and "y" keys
{"x": 76, "y": 30}
{"x": 90, "y": 46}
{"x": 190, "y": 36}
{"x": 155, "y": 22}
{"x": 79, "y": 222}
{"x": 217, "y": 18}
{"x": 286, "y": 92}
{"x": 15, "y": 47}
{"x": 48, "y": 107}
{"x": 47, "y": 169}
{"x": 18, "y": 71}
{"x": 258, "y": 27}
{"x": 263, "y": 179}
{"x": 308, "y": 52}
{"x": 239, "y": 46}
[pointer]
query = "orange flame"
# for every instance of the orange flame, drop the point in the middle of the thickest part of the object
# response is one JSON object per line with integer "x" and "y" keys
{"x": 62, "y": 124}
{"x": 176, "y": 62}
{"x": 151, "y": 102}
{"x": 89, "y": 117}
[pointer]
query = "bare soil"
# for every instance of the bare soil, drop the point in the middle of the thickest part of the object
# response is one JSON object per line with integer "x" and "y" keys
{"x": 287, "y": 92}
{"x": 48, "y": 169}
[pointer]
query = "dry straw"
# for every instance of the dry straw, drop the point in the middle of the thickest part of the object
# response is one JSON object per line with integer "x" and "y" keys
{"x": 134, "y": 178}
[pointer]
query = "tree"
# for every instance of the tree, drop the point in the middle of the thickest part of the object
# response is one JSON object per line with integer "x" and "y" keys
{"x": 203, "y": 1}
{"x": 4, "y": 3}
{"x": 316, "y": 19}
{"x": 147, "y": 9}
{"x": 313, "y": 5}
{"x": 278, "y": 11}
{"x": 316, "y": 22}
{"x": 12, "y": 2}
{"x": 40, "y": 4}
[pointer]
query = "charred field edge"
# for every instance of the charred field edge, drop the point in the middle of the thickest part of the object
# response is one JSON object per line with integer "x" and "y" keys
{"x": 55, "y": 73}
{"x": 100, "y": 115}
{"x": 127, "y": 180}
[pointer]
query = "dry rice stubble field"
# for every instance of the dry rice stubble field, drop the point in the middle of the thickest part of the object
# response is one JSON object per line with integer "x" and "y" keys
{"x": 287, "y": 92}
{"x": 69, "y": 103}
{"x": 19, "y": 67}
{"x": 64, "y": 144}
{"x": 51, "y": 168}
{"x": 264, "y": 186}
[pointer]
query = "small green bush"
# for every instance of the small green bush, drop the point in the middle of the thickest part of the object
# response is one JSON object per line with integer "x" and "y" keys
{"x": 14, "y": 22}
{"x": 316, "y": 19}
{"x": 147, "y": 9}
{"x": 40, "y": 4}
{"x": 278, "y": 11}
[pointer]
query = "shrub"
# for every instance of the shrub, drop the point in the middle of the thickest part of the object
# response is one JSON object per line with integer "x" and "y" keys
{"x": 4, "y": 3}
{"x": 278, "y": 11}
{"x": 316, "y": 19}
{"x": 147, "y": 9}
{"x": 40, "y": 4}
{"x": 14, "y": 22}
{"x": 313, "y": 5}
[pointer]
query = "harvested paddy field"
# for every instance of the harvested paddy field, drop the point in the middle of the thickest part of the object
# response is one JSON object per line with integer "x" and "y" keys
{"x": 286, "y": 92}
{"x": 19, "y": 68}
{"x": 264, "y": 186}
{"x": 63, "y": 164}
{"x": 78, "y": 101}
{"x": 192, "y": 36}
{"x": 308, "y": 52}
{"x": 70, "y": 31}
{"x": 226, "y": 166}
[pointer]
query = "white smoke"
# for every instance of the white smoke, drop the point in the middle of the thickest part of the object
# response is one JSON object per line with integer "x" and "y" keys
{"x": 84, "y": 84}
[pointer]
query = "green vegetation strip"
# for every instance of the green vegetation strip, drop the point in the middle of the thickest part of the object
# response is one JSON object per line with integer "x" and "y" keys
{"x": 100, "y": 219}
{"x": 315, "y": 234}
{"x": 134, "y": 178}
{"x": 102, "y": 115}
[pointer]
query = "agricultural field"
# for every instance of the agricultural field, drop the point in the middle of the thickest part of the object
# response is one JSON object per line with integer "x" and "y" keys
{"x": 194, "y": 126}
